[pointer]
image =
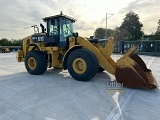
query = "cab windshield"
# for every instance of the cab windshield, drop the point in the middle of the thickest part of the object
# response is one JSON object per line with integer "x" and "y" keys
{"x": 66, "y": 28}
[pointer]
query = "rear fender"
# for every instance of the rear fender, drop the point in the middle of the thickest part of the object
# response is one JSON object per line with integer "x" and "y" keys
{"x": 33, "y": 46}
{"x": 28, "y": 48}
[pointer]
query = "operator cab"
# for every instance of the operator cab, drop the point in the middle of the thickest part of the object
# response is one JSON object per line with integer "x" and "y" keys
{"x": 59, "y": 29}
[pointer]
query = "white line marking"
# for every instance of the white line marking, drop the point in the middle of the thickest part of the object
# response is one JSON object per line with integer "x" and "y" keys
{"x": 150, "y": 62}
{"x": 116, "y": 112}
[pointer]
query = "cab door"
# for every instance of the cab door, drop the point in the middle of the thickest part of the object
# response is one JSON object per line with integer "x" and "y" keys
{"x": 52, "y": 38}
{"x": 66, "y": 31}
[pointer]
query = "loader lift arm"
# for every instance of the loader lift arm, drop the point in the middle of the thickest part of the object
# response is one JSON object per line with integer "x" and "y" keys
{"x": 60, "y": 47}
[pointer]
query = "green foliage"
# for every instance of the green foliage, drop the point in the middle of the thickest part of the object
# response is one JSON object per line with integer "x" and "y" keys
{"x": 129, "y": 30}
{"x": 132, "y": 24}
{"x": 6, "y": 42}
{"x": 121, "y": 34}
{"x": 110, "y": 32}
{"x": 100, "y": 33}
{"x": 155, "y": 36}
{"x": 158, "y": 28}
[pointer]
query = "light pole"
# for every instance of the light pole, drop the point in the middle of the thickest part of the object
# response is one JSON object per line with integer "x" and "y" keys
{"x": 106, "y": 25}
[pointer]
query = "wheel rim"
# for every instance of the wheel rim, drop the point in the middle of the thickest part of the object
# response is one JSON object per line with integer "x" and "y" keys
{"x": 32, "y": 63}
{"x": 79, "y": 65}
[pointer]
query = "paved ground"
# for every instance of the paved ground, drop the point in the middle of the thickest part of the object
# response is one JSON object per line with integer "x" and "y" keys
{"x": 56, "y": 96}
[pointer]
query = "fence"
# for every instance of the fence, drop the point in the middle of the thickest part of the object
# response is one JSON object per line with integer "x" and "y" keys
{"x": 143, "y": 47}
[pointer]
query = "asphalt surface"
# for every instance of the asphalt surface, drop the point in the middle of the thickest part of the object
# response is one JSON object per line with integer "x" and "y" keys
{"x": 55, "y": 95}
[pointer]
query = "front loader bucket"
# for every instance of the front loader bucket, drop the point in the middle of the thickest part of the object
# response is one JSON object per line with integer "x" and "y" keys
{"x": 131, "y": 71}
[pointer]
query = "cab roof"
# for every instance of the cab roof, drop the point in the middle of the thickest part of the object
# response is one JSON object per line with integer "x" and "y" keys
{"x": 57, "y": 16}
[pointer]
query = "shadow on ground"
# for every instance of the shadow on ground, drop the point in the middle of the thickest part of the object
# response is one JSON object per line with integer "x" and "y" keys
{"x": 55, "y": 95}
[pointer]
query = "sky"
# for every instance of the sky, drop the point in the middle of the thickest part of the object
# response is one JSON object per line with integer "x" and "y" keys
{"x": 17, "y": 16}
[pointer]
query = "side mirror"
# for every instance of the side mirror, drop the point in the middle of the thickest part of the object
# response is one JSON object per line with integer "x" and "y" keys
{"x": 42, "y": 27}
{"x": 75, "y": 34}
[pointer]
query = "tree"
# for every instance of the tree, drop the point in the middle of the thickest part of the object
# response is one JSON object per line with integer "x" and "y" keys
{"x": 110, "y": 32}
{"x": 16, "y": 42}
{"x": 158, "y": 28}
{"x": 4, "y": 42}
{"x": 132, "y": 24}
{"x": 156, "y": 36}
{"x": 121, "y": 34}
{"x": 100, "y": 33}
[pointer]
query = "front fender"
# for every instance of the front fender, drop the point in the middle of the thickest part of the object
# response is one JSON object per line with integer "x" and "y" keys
{"x": 69, "y": 51}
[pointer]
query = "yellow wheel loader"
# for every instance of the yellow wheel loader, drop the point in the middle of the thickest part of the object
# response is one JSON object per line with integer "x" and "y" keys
{"x": 4, "y": 50}
{"x": 59, "y": 47}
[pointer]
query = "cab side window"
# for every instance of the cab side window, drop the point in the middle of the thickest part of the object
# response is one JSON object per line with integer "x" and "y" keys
{"x": 66, "y": 30}
{"x": 53, "y": 28}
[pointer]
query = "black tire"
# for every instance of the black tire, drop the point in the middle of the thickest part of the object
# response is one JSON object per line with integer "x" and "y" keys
{"x": 100, "y": 69}
{"x": 38, "y": 57}
{"x": 90, "y": 61}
